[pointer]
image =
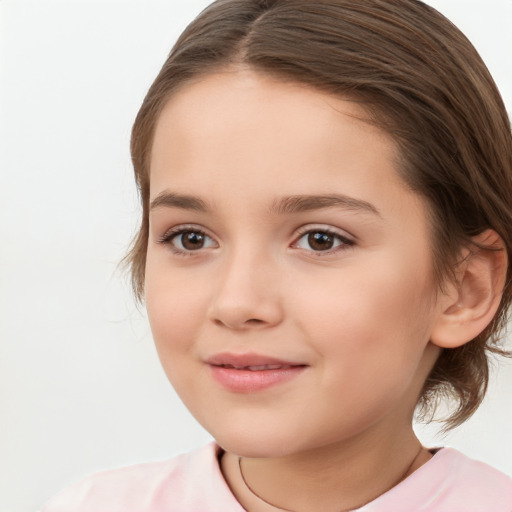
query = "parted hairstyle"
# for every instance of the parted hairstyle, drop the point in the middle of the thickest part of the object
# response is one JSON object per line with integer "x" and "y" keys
{"x": 420, "y": 80}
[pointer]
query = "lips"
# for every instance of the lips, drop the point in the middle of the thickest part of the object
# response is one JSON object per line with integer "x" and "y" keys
{"x": 250, "y": 360}
{"x": 256, "y": 368}
{"x": 246, "y": 373}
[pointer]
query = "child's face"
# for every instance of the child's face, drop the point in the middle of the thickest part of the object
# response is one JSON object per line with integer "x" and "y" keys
{"x": 281, "y": 233}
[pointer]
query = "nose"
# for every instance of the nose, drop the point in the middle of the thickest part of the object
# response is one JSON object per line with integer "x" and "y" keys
{"x": 247, "y": 295}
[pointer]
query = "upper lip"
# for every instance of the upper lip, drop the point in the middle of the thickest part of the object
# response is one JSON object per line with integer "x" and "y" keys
{"x": 248, "y": 360}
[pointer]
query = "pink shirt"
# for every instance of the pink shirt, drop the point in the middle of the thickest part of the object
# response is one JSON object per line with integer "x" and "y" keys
{"x": 193, "y": 482}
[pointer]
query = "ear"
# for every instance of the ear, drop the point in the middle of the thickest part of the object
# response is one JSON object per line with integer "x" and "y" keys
{"x": 467, "y": 306}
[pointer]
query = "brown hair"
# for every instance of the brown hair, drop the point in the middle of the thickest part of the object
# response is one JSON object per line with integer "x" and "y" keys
{"x": 420, "y": 79}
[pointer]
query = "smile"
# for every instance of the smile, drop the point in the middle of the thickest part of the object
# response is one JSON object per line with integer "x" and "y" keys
{"x": 249, "y": 373}
{"x": 257, "y": 368}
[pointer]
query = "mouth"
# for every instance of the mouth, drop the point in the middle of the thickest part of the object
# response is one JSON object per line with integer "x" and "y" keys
{"x": 256, "y": 368}
{"x": 249, "y": 373}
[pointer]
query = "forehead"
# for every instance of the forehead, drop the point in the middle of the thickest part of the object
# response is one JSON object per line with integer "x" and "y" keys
{"x": 240, "y": 95}
{"x": 257, "y": 123}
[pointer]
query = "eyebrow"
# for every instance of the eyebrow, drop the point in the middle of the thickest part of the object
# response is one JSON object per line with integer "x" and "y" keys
{"x": 172, "y": 200}
{"x": 304, "y": 203}
{"x": 282, "y": 206}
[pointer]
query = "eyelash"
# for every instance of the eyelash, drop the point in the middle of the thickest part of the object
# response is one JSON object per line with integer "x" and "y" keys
{"x": 345, "y": 242}
{"x": 172, "y": 234}
{"x": 168, "y": 237}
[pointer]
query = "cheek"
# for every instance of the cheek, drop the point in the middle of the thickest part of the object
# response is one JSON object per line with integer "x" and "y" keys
{"x": 369, "y": 331}
{"x": 173, "y": 303}
{"x": 173, "y": 309}
{"x": 377, "y": 309}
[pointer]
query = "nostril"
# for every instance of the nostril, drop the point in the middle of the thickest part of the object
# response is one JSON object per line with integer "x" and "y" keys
{"x": 254, "y": 321}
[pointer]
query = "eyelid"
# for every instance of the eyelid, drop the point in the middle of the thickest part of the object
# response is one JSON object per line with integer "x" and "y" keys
{"x": 170, "y": 234}
{"x": 346, "y": 239}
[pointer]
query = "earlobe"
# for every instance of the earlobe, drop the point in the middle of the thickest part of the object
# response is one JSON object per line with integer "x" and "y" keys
{"x": 469, "y": 305}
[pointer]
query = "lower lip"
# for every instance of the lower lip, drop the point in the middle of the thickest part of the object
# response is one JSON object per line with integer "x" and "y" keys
{"x": 247, "y": 381}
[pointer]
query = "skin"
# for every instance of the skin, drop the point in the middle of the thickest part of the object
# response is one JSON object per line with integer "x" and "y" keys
{"x": 358, "y": 316}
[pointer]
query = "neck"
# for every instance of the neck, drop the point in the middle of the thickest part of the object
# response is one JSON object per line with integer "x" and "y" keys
{"x": 333, "y": 478}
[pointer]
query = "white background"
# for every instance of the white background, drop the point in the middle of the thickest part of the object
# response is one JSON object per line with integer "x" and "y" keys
{"x": 81, "y": 388}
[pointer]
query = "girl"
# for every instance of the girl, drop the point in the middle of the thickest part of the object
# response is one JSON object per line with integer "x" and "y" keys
{"x": 324, "y": 250}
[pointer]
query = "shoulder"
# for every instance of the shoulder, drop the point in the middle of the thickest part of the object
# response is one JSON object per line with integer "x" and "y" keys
{"x": 450, "y": 482}
{"x": 186, "y": 483}
{"x": 477, "y": 480}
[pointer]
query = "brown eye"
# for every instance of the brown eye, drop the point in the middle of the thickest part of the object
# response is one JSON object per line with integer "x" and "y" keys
{"x": 320, "y": 241}
{"x": 190, "y": 240}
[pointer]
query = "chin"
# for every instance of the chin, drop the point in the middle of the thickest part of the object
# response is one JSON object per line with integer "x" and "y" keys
{"x": 264, "y": 442}
{"x": 255, "y": 448}
{"x": 254, "y": 442}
